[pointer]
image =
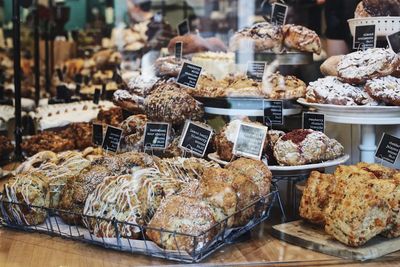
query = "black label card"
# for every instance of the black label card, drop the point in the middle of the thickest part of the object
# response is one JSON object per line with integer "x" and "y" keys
{"x": 96, "y": 97}
{"x": 183, "y": 27}
{"x": 97, "y": 134}
{"x": 255, "y": 70}
{"x": 62, "y": 92}
{"x": 178, "y": 51}
{"x": 314, "y": 121}
{"x": 278, "y": 15}
{"x": 156, "y": 135}
{"x": 60, "y": 74}
{"x": 273, "y": 112}
{"x": 1, "y": 91}
{"x": 195, "y": 138}
{"x": 394, "y": 41}
{"x": 189, "y": 75}
{"x": 77, "y": 89}
{"x": 364, "y": 37}
{"x": 250, "y": 141}
{"x": 389, "y": 148}
{"x": 112, "y": 139}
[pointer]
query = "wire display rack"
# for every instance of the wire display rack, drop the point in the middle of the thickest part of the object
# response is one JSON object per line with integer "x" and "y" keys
{"x": 201, "y": 245}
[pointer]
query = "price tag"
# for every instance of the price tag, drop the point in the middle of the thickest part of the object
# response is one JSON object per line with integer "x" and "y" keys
{"x": 279, "y": 13}
{"x": 364, "y": 37}
{"x": 195, "y": 138}
{"x": 250, "y": 141}
{"x": 62, "y": 92}
{"x": 1, "y": 92}
{"x": 178, "y": 51}
{"x": 183, "y": 27}
{"x": 255, "y": 70}
{"x": 112, "y": 139}
{"x": 97, "y": 134}
{"x": 156, "y": 135}
{"x": 314, "y": 121}
{"x": 394, "y": 41}
{"x": 273, "y": 112}
{"x": 189, "y": 75}
{"x": 96, "y": 97}
{"x": 60, "y": 74}
{"x": 389, "y": 148}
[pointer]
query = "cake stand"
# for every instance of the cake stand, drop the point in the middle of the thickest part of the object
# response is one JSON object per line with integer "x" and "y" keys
{"x": 365, "y": 116}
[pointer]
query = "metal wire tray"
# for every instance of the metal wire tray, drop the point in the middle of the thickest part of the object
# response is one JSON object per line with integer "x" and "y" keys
{"x": 55, "y": 226}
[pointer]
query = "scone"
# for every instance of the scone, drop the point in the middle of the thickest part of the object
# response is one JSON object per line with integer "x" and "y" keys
{"x": 315, "y": 197}
{"x": 301, "y": 147}
{"x": 261, "y": 37}
{"x": 361, "y": 66}
{"x": 183, "y": 215}
{"x": 246, "y": 191}
{"x": 301, "y": 38}
{"x": 384, "y": 89}
{"x": 329, "y": 67}
{"x": 330, "y": 90}
{"x": 255, "y": 170}
{"x": 277, "y": 86}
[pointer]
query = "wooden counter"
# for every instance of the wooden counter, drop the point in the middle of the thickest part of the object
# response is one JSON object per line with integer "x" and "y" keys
{"x": 32, "y": 249}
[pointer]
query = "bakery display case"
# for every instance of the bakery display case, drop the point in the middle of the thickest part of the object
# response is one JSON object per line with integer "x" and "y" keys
{"x": 200, "y": 131}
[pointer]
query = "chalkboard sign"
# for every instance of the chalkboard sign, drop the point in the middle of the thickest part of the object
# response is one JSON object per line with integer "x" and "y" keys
{"x": 250, "y": 141}
{"x": 394, "y": 41}
{"x": 195, "y": 138}
{"x": 112, "y": 139}
{"x": 189, "y": 75}
{"x": 273, "y": 112}
{"x": 178, "y": 51}
{"x": 314, "y": 121}
{"x": 279, "y": 13}
{"x": 62, "y": 92}
{"x": 255, "y": 70}
{"x": 156, "y": 135}
{"x": 364, "y": 37}
{"x": 389, "y": 148}
{"x": 97, "y": 134}
{"x": 96, "y": 97}
{"x": 183, "y": 27}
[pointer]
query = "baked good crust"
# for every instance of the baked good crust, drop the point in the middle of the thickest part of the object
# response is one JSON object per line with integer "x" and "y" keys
{"x": 301, "y": 38}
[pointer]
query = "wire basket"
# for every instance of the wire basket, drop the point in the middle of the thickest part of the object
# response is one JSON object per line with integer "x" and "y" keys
{"x": 198, "y": 250}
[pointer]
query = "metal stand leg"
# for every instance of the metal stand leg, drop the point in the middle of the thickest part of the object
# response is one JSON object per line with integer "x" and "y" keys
{"x": 367, "y": 146}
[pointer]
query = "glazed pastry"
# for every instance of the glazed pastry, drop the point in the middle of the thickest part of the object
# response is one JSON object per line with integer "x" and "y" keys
{"x": 301, "y": 38}
{"x": 384, "y": 89}
{"x": 301, "y": 147}
{"x": 277, "y": 86}
{"x": 168, "y": 66}
{"x": 261, "y": 37}
{"x": 128, "y": 101}
{"x": 361, "y": 66}
{"x": 330, "y": 90}
{"x": 133, "y": 129}
{"x": 329, "y": 67}
{"x": 26, "y": 189}
{"x": 184, "y": 215}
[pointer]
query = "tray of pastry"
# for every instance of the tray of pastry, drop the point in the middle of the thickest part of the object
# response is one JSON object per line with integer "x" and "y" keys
{"x": 352, "y": 213}
{"x": 179, "y": 209}
{"x": 249, "y": 106}
{"x": 351, "y": 111}
{"x": 284, "y": 58}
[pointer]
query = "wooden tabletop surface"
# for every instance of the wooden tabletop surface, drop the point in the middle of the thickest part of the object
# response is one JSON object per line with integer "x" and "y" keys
{"x": 258, "y": 249}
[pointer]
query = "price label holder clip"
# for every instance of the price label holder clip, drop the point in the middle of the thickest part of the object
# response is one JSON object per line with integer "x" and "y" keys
{"x": 314, "y": 121}
{"x": 112, "y": 139}
{"x": 388, "y": 149}
{"x": 195, "y": 138}
{"x": 156, "y": 135}
{"x": 250, "y": 141}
